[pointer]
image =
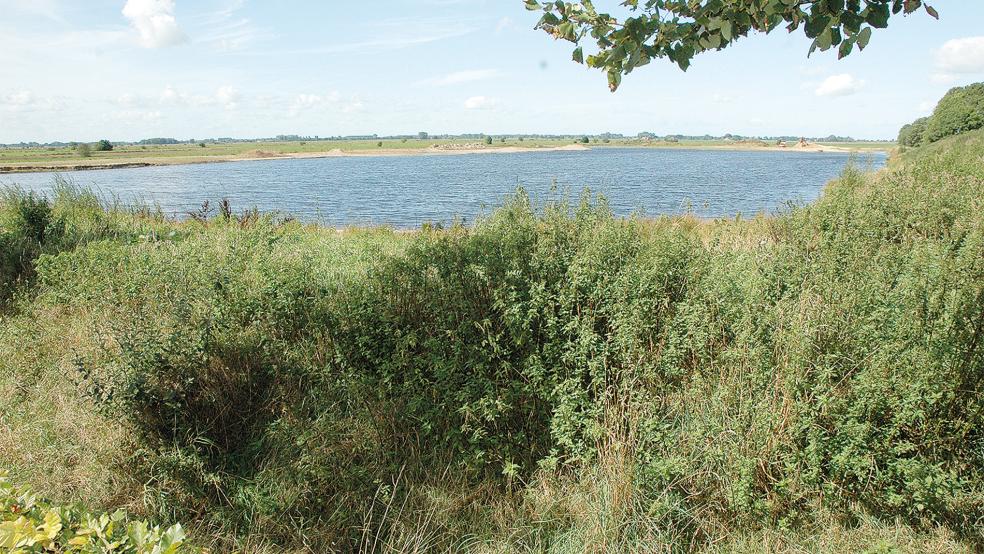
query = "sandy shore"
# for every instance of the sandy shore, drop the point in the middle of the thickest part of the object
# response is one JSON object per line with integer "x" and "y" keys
{"x": 84, "y": 165}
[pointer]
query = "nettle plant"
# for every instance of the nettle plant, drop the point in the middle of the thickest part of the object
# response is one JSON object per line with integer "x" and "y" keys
{"x": 681, "y": 29}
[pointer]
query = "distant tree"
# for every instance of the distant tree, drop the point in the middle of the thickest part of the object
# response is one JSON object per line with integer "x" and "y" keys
{"x": 159, "y": 140}
{"x": 488, "y": 140}
{"x": 83, "y": 149}
{"x": 585, "y": 140}
{"x": 379, "y": 144}
{"x": 520, "y": 139}
{"x": 201, "y": 145}
{"x": 914, "y": 133}
{"x": 103, "y": 146}
{"x": 959, "y": 111}
{"x": 679, "y": 30}
{"x": 423, "y": 135}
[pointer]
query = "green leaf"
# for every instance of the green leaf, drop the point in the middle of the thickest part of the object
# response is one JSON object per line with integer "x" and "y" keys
{"x": 578, "y": 55}
{"x": 878, "y": 15}
{"x": 932, "y": 11}
{"x": 824, "y": 40}
{"x": 726, "y": 30}
{"x": 863, "y": 37}
{"x": 845, "y": 48}
{"x": 614, "y": 79}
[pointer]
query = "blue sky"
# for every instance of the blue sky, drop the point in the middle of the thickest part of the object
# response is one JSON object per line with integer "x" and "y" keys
{"x": 131, "y": 69}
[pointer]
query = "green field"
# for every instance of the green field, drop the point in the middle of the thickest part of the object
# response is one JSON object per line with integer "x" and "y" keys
{"x": 551, "y": 379}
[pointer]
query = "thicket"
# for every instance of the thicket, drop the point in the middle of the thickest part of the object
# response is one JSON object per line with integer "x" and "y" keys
{"x": 553, "y": 378}
{"x": 961, "y": 110}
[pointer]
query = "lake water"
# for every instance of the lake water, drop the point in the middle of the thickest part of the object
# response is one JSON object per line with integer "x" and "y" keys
{"x": 406, "y": 191}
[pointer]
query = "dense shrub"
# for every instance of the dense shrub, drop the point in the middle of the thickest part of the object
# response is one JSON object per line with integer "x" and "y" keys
{"x": 24, "y": 220}
{"x": 33, "y": 224}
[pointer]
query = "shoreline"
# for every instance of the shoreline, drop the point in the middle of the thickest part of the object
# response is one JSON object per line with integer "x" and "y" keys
{"x": 97, "y": 165}
{"x": 259, "y": 155}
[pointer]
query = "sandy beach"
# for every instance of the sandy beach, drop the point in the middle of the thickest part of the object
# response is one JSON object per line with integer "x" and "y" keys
{"x": 442, "y": 150}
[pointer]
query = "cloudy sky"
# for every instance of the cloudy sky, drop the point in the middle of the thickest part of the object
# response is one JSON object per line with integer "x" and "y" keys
{"x": 131, "y": 69}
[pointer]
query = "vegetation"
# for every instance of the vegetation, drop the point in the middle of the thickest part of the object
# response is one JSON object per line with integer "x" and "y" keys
{"x": 913, "y": 134}
{"x": 960, "y": 110}
{"x": 103, "y": 146}
{"x": 680, "y": 30}
{"x": 552, "y": 379}
{"x": 29, "y": 524}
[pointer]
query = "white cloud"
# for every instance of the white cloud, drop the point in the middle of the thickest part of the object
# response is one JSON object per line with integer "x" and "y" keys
{"x": 332, "y": 100}
{"x": 504, "y": 24}
{"x": 170, "y": 94}
{"x": 235, "y": 35}
{"x": 304, "y": 101}
{"x": 460, "y": 77}
{"x": 943, "y": 78}
{"x": 225, "y": 96}
{"x": 479, "y": 103}
{"x": 154, "y": 20}
{"x": 226, "y": 31}
{"x": 228, "y": 96}
{"x": 393, "y": 34}
{"x": 842, "y": 84}
{"x": 20, "y": 98}
{"x": 961, "y": 55}
{"x": 137, "y": 116}
{"x": 927, "y": 106}
{"x": 352, "y": 106}
{"x": 27, "y": 101}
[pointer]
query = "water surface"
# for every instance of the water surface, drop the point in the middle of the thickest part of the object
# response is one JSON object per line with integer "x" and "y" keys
{"x": 406, "y": 191}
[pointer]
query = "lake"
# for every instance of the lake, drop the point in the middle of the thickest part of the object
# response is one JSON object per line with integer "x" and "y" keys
{"x": 406, "y": 191}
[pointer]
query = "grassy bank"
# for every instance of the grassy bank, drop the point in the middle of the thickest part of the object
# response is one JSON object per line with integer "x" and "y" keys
{"x": 553, "y": 379}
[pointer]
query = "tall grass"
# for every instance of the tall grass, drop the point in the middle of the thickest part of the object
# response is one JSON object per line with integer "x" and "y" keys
{"x": 552, "y": 379}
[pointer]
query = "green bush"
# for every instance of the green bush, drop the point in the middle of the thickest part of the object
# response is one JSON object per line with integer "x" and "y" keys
{"x": 24, "y": 222}
{"x": 32, "y": 225}
{"x": 961, "y": 110}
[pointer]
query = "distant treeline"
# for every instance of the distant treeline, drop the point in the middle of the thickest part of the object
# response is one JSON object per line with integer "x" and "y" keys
{"x": 644, "y": 135}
